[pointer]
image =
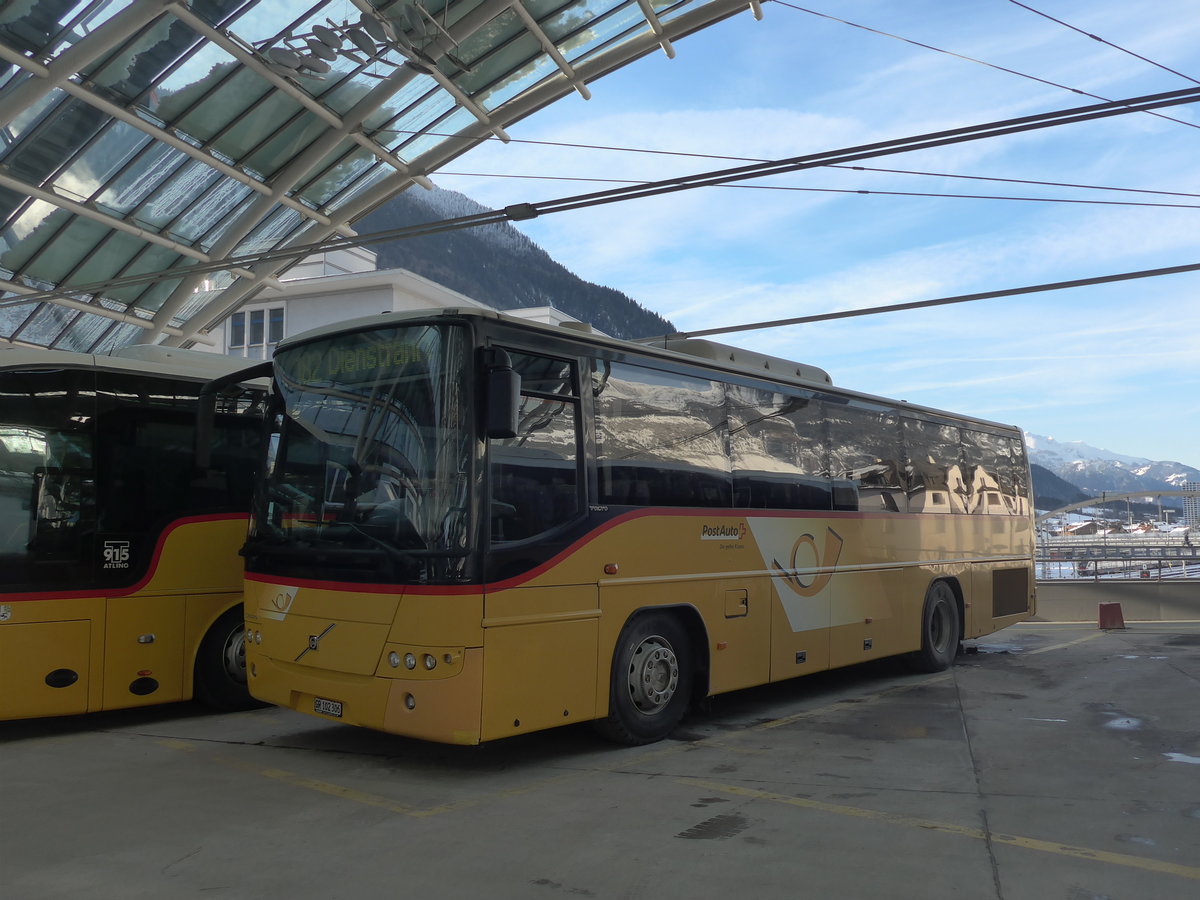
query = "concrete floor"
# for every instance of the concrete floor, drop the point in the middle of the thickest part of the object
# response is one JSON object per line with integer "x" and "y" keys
{"x": 1053, "y": 761}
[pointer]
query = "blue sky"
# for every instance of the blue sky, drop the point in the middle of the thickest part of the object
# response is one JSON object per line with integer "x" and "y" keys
{"x": 1115, "y": 366}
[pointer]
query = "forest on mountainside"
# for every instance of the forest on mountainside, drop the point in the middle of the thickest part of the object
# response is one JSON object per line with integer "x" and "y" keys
{"x": 499, "y": 266}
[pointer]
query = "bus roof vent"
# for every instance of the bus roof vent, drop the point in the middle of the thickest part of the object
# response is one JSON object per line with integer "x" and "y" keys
{"x": 745, "y": 359}
{"x": 577, "y": 326}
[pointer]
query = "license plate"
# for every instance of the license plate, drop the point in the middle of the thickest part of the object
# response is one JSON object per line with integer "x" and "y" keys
{"x": 327, "y": 707}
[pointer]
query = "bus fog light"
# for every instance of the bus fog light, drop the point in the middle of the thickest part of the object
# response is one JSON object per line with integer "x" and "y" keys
{"x": 410, "y": 702}
{"x": 430, "y": 662}
{"x": 253, "y": 670}
{"x": 410, "y": 661}
{"x": 394, "y": 659}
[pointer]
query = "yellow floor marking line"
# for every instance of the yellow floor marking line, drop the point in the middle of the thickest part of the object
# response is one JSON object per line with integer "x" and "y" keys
{"x": 726, "y": 742}
{"x": 859, "y": 702}
{"x": 357, "y": 796}
{"x": 1082, "y": 640}
{"x": 1055, "y": 847}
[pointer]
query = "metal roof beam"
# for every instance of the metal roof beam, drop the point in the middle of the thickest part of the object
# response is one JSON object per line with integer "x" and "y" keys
{"x": 252, "y": 62}
{"x": 285, "y": 180}
{"x": 88, "y": 211}
{"x": 119, "y": 112}
{"x": 656, "y": 26}
{"x": 548, "y": 45}
{"x": 460, "y": 97}
{"x": 83, "y": 306}
{"x": 74, "y": 59}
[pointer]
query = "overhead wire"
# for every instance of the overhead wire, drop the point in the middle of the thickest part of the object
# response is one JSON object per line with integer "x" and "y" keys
{"x": 524, "y": 211}
{"x": 944, "y": 301}
{"x": 886, "y": 193}
{"x": 1096, "y": 37}
{"x": 999, "y": 68}
{"x": 697, "y": 155}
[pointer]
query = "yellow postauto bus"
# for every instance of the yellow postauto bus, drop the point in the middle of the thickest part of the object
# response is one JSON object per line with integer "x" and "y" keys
{"x": 473, "y": 526}
{"x": 120, "y": 579}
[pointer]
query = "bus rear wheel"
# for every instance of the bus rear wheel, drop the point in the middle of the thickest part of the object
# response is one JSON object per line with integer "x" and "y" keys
{"x": 941, "y": 630}
{"x": 220, "y": 673}
{"x": 651, "y": 680}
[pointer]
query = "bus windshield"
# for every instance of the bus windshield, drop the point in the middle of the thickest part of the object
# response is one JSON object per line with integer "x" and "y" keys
{"x": 369, "y": 458}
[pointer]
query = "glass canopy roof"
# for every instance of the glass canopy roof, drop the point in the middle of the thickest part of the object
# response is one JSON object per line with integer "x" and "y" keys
{"x": 144, "y": 142}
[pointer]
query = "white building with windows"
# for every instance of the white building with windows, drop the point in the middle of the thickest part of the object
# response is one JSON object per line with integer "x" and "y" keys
{"x": 1191, "y": 506}
{"x": 323, "y": 290}
{"x": 336, "y": 287}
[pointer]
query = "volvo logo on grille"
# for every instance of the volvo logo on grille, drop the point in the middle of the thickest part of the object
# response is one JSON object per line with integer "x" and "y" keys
{"x": 314, "y": 641}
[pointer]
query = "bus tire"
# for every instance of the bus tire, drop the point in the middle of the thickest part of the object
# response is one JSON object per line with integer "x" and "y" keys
{"x": 651, "y": 681}
{"x": 941, "y": 630}
{"x": 220, "y": 672}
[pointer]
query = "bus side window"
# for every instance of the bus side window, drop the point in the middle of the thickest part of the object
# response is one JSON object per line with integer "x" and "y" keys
{"x": 866, "y": 450}
{"x": 934, "y": 461}
{"x": 662, "y": 438}
{"x": 534, "y": 476}
{"x": 47, "y": 479}
{"x": 64, "y": 504}
{"x": 777, "y": 445}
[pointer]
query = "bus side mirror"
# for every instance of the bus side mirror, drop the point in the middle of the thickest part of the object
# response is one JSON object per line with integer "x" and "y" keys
{"x": 206, "y": 408}
{"x": 502, "y": 395}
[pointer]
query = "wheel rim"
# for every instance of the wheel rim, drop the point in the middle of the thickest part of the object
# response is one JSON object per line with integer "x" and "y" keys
{"x": 941, "y": 622}
{"x": 653, "y": 675}
{"x": 233, "y": 655}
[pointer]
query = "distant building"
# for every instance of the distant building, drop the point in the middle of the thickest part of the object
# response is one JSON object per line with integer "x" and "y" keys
{"x": 1191, "y": 506}
{"x": 335, "y": 287}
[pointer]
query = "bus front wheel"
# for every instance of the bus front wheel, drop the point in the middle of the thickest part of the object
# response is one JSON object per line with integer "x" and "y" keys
{"x": 651, "y": 680}
{"x": 220, "y": 673}
{"x": 941, "y": 630}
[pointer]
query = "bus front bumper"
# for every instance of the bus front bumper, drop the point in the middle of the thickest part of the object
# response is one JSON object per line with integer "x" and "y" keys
{"x": 446, "y": 710}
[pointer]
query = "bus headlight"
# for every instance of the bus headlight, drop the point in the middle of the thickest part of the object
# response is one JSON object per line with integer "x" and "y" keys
{"x": 394, "y": 659}
{"x": 410, "y": 660}
{"x": 430, "y": 662}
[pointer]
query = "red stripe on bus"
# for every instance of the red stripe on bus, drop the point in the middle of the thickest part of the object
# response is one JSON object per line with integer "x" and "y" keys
{"x": 151, "y": 569}
{"x": 517, "y": 581}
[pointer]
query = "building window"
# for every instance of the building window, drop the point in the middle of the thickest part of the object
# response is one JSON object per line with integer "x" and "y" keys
{"x": 254, "y": 333}
{"x": 256, "y": 327}
{"x": 237, "y": 331}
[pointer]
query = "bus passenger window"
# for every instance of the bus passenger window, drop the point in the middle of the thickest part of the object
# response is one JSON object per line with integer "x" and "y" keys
{"x": 995, "y": 467}
{"x": 661, "y": 438}
{"x": 777, "y": 443}
{"x": 866, "y": 452}
{"x": 534, "y": 476}
{"x": 934, "y": 465}
{"x": 47, "y": 478}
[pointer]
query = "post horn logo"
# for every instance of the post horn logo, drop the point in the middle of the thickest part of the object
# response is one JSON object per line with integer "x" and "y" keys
{"x": 810, "y": 583}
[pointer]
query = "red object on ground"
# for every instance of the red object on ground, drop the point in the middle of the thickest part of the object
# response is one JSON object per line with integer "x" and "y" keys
{"x": 1110, "y": 616}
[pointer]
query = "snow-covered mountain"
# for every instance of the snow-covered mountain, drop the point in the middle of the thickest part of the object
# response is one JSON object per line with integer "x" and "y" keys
{"x": 1094, "y": 470}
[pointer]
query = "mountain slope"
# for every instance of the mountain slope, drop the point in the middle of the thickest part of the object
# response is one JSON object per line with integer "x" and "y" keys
{"x": 1052, "y": 492}
{"x": 499, "y": 266}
